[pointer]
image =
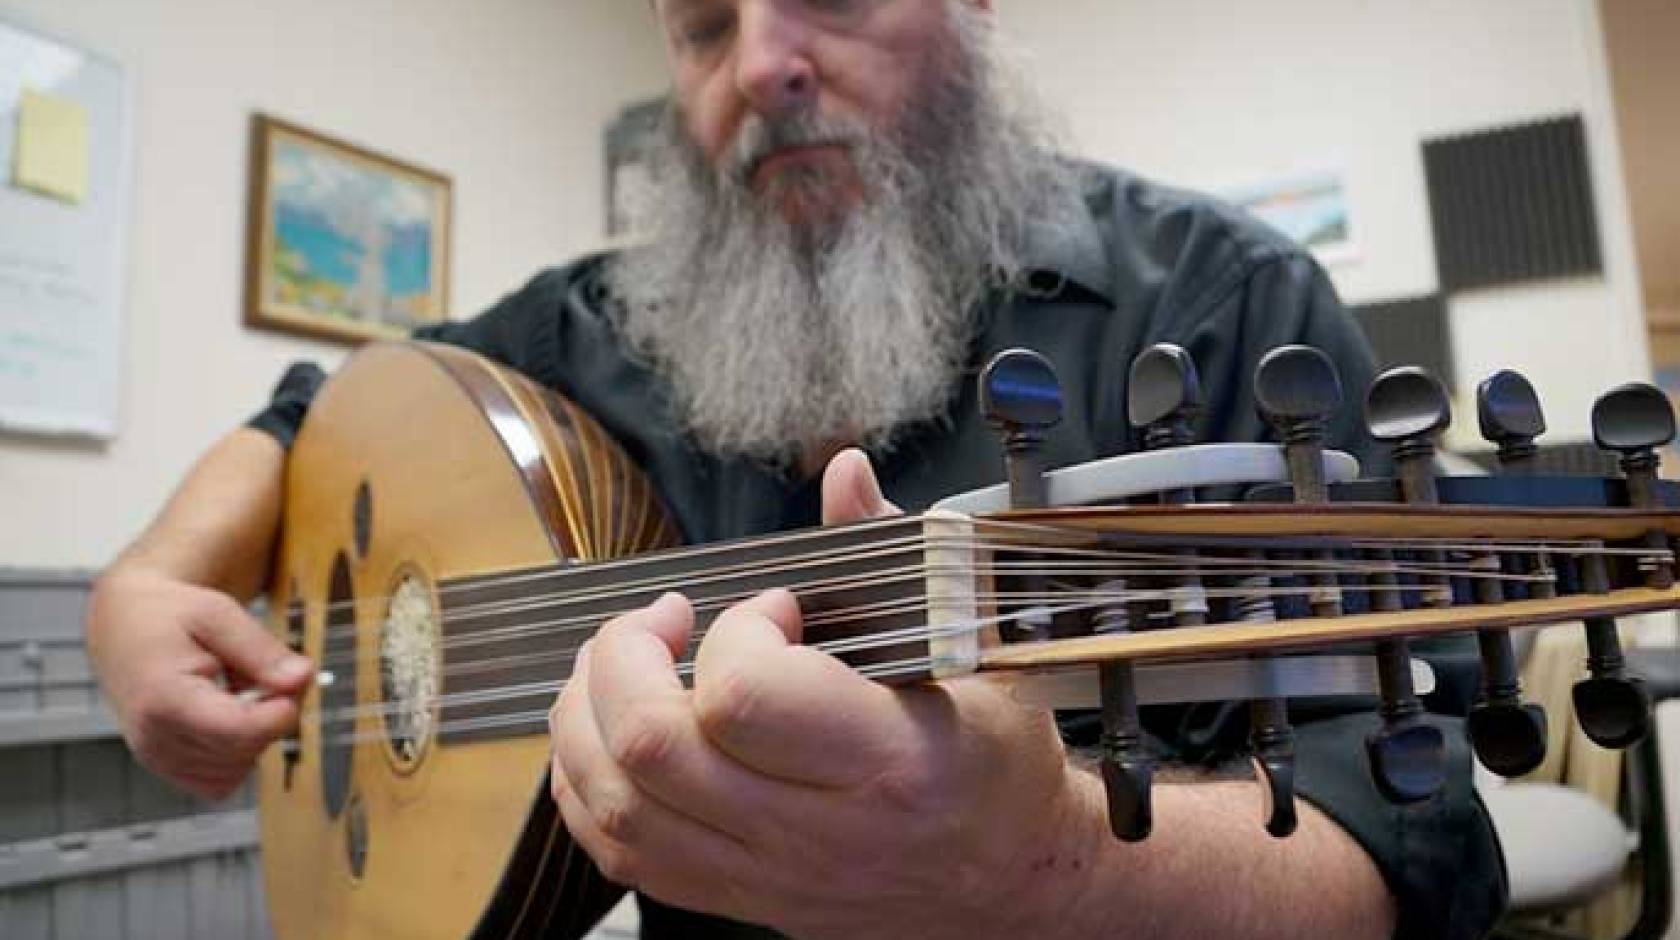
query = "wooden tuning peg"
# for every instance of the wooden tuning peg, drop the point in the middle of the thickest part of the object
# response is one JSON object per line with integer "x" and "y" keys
{"x": 1614, "y": 707}
{"x": 1021, "y": 397}
{"x": 1634, "y": 420}
{"x": 1163, "y": 395}
{"x": 1297, "y": 390}
{"x": 1128, "y": 769}
{"x": 1509, "y": 413}
{"x": 1407, "y": 755}
{"x": 1408, "y": 408}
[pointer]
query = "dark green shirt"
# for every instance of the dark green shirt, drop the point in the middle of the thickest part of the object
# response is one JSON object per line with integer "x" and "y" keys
{"x": 1148, "y": 264}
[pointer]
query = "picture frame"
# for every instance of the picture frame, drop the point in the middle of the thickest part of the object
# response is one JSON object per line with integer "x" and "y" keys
{"x": 628, "y": 143}
{"x": 342, "y": 243}
{"x": 1311, "y": 208}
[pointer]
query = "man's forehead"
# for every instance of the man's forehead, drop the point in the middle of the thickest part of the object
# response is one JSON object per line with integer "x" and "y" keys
{"x": 667, "y": 7}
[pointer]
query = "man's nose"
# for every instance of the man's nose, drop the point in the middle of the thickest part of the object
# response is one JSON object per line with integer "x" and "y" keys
{"x": 775, "y": 71}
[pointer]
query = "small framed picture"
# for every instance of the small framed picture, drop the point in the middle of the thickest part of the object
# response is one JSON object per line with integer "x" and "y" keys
{"x": 342, "y": 243}
{"x": 1310, "y": 208}
{"x": 629, "y": 143}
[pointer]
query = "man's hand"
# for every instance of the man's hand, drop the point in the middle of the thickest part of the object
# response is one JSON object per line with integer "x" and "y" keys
{"x": 173, "y": 658}
{"x": 787, "y": 790}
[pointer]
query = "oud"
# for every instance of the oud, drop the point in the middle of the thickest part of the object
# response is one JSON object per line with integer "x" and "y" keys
{"x": 453, "y": 534}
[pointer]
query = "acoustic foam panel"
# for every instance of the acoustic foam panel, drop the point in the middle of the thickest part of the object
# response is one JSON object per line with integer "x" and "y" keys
{"x": 1512, "y": 204}
{"x": 1410, "y": 332}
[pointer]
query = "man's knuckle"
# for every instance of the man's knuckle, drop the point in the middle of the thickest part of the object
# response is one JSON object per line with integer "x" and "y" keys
{"x": 618, "y": 864}
{"x": 618, "y": 815}
{"x": 554, "y": 716}
{"x": 556, "y": 781}
{"x": 210, "y": 608}
{"x": 646, "y": 743}
{"x": 734, "y": 701}
{"x": 905, "y": 789}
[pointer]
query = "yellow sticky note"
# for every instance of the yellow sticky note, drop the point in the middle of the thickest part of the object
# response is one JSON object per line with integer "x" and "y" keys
{"x": 52, "y": 146}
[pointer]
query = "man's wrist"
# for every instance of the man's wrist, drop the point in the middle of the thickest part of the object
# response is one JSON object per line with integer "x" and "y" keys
{"x": 1069, "y": 875}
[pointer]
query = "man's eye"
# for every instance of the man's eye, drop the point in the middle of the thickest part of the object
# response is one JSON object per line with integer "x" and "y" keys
{"x": 704, "y": 32}
{"x": 834, "y": 6}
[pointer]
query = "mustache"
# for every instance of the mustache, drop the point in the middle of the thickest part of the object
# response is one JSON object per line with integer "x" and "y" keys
{"x": 763, "y": 137}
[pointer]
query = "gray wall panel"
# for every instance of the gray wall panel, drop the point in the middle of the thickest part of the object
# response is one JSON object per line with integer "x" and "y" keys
{"x": 27, "y": 914}
{"x": 88, "y": 907}
{"x": 93, "y": 786}
{"x": 28, "y": 797}
{"x": 156, "y": 900}
{"x": 64, "y": 776}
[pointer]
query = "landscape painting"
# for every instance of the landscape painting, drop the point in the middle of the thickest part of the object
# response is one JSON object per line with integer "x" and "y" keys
{"x": 344, "y": 244}
{"x": 1310, "y": 208}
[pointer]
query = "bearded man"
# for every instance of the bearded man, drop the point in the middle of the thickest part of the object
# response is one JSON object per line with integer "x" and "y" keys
{"x": 855, "y": 206}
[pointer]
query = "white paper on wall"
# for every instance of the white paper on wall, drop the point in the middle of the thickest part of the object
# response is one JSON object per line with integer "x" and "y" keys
{"x": 64, "y": 206}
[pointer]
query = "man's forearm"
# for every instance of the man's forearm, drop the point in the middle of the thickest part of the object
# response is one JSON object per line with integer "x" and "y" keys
{"x": 218, "y": 528}
{"x": 1210, "y": 870}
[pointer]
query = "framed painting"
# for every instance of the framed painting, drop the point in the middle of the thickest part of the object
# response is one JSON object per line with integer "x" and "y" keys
{"x": 629, "y": 142}
{"x": 1310, "y": 208}
{"x": 342, "y": 243}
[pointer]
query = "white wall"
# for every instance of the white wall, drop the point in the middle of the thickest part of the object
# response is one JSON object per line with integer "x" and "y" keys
{"x": 508, "y": 97}
{"x": 1213, "y": 94}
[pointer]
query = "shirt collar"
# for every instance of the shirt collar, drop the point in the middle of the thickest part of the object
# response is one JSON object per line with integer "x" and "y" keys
{"x": 1059, "y": 256}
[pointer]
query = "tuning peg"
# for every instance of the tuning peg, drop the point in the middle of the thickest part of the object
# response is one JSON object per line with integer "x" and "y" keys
{"x": 1407, "y": 755}
{"x": 1633, "y": 419}
{"x": 1296, "y": 389}
{"x": 1408, "y": 408}
{"x": 1408, "y": 759}
{"x": 1614, "y": 711}
{"x": 1510, "y": 740}
{"x": 1613, "y": 707}
{"x": 1164, "y": 395}
{"x": 1128, "y": 770}
{"x": 1274, "y": 764}
{"x": 1021, "y": 396}
{"x": 1509, "y": 413}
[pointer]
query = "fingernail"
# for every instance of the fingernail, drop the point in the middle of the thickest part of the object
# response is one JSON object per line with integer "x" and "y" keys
{"x": 873, "y": 500}
{"x": 671, "y": 597}
{"x": 289, "y": 669}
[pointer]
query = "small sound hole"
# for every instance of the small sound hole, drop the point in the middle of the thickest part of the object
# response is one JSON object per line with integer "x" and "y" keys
{"x": 338, "y": 697}
{"x": 290, "y": 747}
{"x": 356, "y": 836}
{"x": 362, "y": 519}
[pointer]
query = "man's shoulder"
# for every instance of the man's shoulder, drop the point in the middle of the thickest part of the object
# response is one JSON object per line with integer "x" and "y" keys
{"x": 571, "y": 287}
{"x": 1164, "y": 242}
{"x": 1172, "y": 219}
{"x": 532, "y": 327}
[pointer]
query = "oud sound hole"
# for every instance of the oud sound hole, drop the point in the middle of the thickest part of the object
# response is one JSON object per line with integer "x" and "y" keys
{"x": 408, "y": 670}
{"x": 291, "y": 749}
{"x": 361, "y": 519}
{"x": 356, "y": 837}
{"x": 338, "y": 699}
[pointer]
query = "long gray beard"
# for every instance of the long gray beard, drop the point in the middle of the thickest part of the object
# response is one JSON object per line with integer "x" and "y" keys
{"x": 778, "y": 340}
